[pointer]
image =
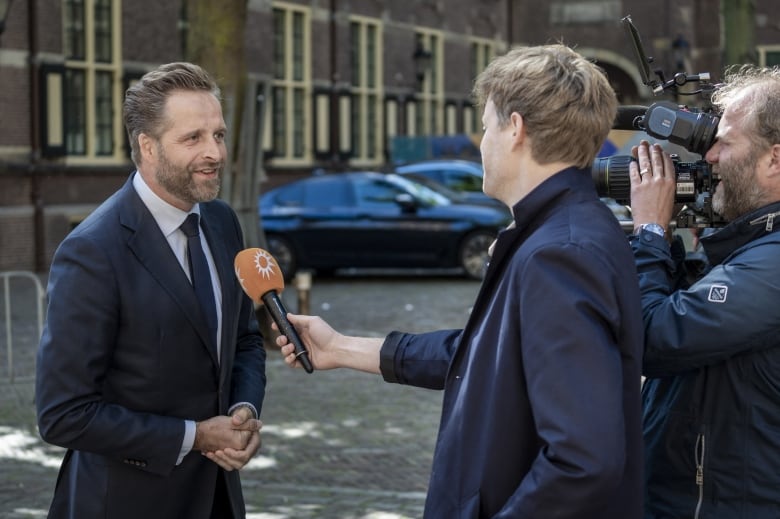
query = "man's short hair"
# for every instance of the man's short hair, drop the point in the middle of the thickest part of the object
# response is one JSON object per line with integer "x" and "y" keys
{"x": 144, "y": 105}
{"x": 566, "y": 101}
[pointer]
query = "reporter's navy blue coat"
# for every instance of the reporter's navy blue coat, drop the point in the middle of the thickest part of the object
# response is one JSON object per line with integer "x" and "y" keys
{"x": 541, "y": 412}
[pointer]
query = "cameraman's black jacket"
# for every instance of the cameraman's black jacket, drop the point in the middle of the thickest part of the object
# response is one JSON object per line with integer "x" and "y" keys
{"x": 712, "y": 361}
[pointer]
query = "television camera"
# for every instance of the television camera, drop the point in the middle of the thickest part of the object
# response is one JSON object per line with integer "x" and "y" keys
{"x": 693, "y": 129}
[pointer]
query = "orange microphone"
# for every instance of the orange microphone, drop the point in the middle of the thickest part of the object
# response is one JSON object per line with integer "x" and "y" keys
{"x": 262, "y": 280}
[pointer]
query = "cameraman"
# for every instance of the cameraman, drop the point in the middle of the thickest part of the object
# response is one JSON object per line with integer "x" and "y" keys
{"x": 712, "y": 350}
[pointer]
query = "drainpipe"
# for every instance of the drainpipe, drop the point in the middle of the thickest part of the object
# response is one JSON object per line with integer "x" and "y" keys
{"x": 35, "y": 138}
{"x": 334, "y": 98}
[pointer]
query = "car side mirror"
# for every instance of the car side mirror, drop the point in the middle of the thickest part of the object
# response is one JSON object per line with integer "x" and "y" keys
{"x": 407, "y": 202}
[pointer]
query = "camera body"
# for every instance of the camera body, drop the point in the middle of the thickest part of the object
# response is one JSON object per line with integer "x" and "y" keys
{"x": 692, "y": 129}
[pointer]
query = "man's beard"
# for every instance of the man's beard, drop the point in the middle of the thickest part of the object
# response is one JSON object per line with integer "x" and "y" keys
{"x": 741, "y": 194}
{"x": 180, "y": 183}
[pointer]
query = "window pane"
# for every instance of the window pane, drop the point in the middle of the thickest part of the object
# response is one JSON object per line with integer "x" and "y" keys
{"x": 75, "y": 112}
{"x": 371, "y": 127}
{"x": 434, "y": 48}
{"x": 298, "y": 47}
{"x": 355, "y": 126}
{"x": 371, "y": 56}
{"x": 354, "y": 51}
{"x": 103, "y": 31}
{"x": 433, "y": 111}
{"x": 298, "y": 109}
{"x": 419, "y": 117}
{"x": 772, "y": 58}
{"x": 104, "y": 101}
{"x": 279, "y": 55}
{"x": 485, "y": 57}
{"x": 280, "y": 122}
{"x": 74, "y": 29}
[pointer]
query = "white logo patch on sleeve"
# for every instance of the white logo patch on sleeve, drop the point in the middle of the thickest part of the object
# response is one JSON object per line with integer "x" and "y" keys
{"x": 718, "y": 294}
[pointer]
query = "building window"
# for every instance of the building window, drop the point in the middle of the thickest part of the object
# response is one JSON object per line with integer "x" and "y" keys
{"x": 429, "y": 110}
{"x": 585, "y": 12}
{"x": 290, "y": 97}
{"x": 366, "y": 83}
{"x": 482, "y": 52}
{"x": 93, "y": 83}
{"x": 769, "y": 55}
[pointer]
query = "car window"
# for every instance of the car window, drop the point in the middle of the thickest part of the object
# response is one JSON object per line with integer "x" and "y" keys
{"x": 461, "y": 181}
{"x": 376, "y": 193}
{"x": 330, "y": 192}
{"x": 419, "y": 191}
{"x": 289, "y": 196}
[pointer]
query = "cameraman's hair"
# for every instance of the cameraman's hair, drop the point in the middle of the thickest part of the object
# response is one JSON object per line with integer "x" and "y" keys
{"x": 144, "y": 105}
{"x": 762, "y": 111}
{"x": 567, "y": 103}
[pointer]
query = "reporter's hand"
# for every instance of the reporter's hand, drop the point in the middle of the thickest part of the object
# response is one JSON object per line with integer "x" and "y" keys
{"x": 319, "y": 338}
{"x": 653, "y": 185}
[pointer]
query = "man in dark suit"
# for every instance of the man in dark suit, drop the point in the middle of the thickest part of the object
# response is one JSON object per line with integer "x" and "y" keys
{"x": 151, "y": 369}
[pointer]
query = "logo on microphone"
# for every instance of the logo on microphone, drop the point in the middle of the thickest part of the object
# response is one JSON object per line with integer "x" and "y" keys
{"x": 264, "y": 263}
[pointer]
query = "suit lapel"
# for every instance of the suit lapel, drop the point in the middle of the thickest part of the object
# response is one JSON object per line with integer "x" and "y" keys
{"x": 225, "y": 270}
{"x": 152, "y": 250}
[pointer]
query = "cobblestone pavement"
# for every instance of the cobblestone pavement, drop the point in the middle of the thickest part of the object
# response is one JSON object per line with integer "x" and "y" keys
{"x": 336, "y": 444}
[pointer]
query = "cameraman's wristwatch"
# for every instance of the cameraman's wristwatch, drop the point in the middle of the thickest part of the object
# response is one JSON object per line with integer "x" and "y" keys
{"x": 653, "y": 228}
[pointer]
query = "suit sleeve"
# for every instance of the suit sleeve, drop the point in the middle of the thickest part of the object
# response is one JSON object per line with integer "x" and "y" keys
{"x": 74, "y": 359}
{"x": 420, "y": 360}
{"x": 248, "y": 379}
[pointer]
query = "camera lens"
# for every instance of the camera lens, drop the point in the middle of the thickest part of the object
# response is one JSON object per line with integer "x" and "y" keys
{"x": 610, "y": 175}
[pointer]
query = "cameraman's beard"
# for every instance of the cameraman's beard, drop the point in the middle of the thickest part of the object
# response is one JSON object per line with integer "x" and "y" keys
{"x": 738, "y": 192}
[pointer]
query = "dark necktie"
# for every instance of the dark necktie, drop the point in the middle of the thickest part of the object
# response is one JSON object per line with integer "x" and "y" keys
{"x": 199, "y": 273}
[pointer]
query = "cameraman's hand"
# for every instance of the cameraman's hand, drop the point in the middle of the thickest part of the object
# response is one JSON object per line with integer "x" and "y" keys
{"x": 653, "y": 185}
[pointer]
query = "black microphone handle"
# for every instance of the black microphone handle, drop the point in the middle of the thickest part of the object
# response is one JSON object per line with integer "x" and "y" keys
{"x": 279, "y": 315}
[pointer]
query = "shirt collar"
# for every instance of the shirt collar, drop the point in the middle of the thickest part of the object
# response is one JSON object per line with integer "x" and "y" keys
{"x": 168, "y": 217}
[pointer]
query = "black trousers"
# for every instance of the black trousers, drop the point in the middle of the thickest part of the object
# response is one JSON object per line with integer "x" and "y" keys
{"x": 221, "y": 508}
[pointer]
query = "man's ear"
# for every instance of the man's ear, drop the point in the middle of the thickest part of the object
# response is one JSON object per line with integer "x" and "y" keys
{"x": 774, "y": 161}
{"x": 517, "y": 123}
{"x": 146, "y": 145}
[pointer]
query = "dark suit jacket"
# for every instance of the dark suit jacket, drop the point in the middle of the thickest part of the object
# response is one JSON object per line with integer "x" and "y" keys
{"x": 124, "y": 360}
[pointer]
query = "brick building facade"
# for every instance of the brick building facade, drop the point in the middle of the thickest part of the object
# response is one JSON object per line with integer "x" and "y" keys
{"x": 338, "y": 81}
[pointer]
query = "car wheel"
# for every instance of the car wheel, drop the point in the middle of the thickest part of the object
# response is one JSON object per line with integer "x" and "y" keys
{"x": 284, "y": 254}
{"x": 473, "y": 253}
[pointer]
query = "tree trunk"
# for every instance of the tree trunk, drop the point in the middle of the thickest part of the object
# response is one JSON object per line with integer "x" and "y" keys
{"x": 215, "y": 41}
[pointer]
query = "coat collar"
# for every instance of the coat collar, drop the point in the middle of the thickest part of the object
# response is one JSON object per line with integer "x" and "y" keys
{"x": 571, "y": 184}
{"x": 751, "y": 226}
{"x": 566, "y": 186}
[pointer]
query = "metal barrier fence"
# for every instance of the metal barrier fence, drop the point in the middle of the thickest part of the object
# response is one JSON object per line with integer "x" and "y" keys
{"x": 29, "y": 327}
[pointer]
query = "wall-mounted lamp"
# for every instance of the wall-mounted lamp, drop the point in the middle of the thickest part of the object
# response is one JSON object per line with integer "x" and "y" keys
{"x": 422, "y": 62}
{"x": 5, "y": 7}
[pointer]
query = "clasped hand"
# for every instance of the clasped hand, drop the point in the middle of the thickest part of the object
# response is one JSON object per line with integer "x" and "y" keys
{"x": 229, "y": 441}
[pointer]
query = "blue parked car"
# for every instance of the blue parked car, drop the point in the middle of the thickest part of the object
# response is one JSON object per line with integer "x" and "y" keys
{"x": 464, "y": 176}
{"x": 375, "y": 220}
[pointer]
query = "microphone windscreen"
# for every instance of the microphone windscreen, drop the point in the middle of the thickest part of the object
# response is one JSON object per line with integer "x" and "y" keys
{"x": 258, "y": 272}
{"x": 627, "y": 117}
